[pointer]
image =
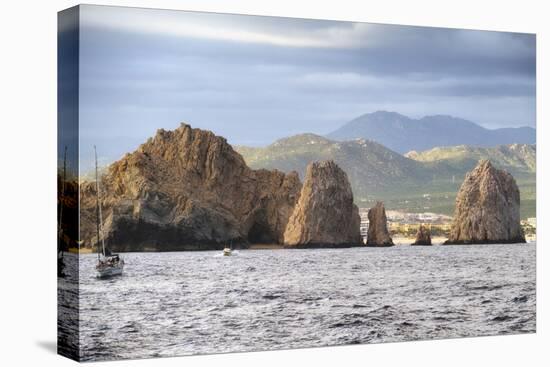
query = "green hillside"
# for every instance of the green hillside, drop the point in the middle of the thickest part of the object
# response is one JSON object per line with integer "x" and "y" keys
{"x": 518, "y": 158}
{"x": 417, "y": 182}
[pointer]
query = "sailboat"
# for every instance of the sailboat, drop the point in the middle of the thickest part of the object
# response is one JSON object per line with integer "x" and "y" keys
{"x": 108, "y": 264}
{"x": 60, "y": 234}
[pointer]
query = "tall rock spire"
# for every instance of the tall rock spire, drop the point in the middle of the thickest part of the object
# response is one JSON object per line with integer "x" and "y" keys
{"x": 487, "y": 208}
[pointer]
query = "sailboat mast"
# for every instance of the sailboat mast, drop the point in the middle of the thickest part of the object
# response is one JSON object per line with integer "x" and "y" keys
{"x": 99, "y": 218}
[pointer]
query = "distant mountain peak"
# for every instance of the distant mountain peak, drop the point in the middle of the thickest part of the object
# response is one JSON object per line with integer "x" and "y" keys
{"x": 402, "y": 134}
{"x": 381, "y": 114}
{"x": 385, "y": 113}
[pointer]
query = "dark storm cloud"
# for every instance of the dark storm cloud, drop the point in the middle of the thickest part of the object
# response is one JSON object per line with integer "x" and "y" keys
{"x": 256, "y": 79}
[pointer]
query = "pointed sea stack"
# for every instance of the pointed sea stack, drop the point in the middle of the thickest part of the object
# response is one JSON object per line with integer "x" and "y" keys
{"x": 423, "y": 237}
{"x": 487, "y": 208}
{"x": 378, "y": 235}
{"x": 325, "y": 215}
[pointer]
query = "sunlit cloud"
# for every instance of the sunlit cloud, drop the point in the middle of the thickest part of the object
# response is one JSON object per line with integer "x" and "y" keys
{"x": 226, "y": 28}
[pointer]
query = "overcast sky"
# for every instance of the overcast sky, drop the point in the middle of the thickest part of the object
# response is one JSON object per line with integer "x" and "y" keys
{"x": 256, "y": 79}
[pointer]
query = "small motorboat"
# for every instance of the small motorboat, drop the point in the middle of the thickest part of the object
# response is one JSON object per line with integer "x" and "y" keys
{"x": 228, "y": 250}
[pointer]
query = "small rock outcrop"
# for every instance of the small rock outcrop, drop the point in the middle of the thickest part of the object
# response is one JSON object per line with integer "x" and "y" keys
{"x": 325, "y": 215}
{"x": 487, "y": 208}
{"x": 378, "y": 235}
{"x": 423, "y": 237}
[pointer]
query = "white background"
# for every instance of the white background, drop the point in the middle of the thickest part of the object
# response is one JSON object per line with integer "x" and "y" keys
{"x": 28, "y": 183}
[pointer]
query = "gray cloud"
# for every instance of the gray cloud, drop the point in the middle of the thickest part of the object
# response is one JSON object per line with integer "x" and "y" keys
{"x": 256, "y": 79}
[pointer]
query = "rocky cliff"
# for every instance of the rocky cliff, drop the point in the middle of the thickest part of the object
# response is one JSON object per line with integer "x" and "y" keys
{"x": 487, "y": 208}
{"x": 378, "y": 235}
{"x": 188, "y": 189}
{"x": 325, "y": 214}
{"x": 423, "y": 237}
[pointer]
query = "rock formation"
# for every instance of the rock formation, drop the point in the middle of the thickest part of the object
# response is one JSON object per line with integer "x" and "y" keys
{"x": 325, "y": 214}
{"x": 487, "y": 208}
{"x": 378, "y": 235}
{"x": 188, "y": 189}
{"x": 423, "y": 237}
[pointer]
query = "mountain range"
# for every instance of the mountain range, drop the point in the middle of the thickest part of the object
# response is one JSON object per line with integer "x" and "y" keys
{"x": 404, "y": 181}
{"x": 411, "y": 164}
{"x": 402, "y": 134}
{"x": 371, "y": 167}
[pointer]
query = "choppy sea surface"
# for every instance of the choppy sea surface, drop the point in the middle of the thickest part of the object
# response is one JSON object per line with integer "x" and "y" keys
{"x": 169, "y": 304}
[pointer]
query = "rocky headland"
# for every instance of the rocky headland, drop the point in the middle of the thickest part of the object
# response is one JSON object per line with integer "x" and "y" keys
{"x": 378, "y": 234}
{"x": 187, "y": 189}
{"x": 487, "y": 208}
{"x": 325, "y": 215}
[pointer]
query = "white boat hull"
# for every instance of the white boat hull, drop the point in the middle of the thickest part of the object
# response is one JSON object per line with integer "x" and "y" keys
{"x": 109, "y": 271}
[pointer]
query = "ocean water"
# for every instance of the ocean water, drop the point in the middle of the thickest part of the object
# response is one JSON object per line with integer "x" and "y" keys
{"x": 169, "y": 304}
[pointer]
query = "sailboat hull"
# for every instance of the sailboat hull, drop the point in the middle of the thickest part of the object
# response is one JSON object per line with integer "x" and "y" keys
{"x": 109, "y": 271}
